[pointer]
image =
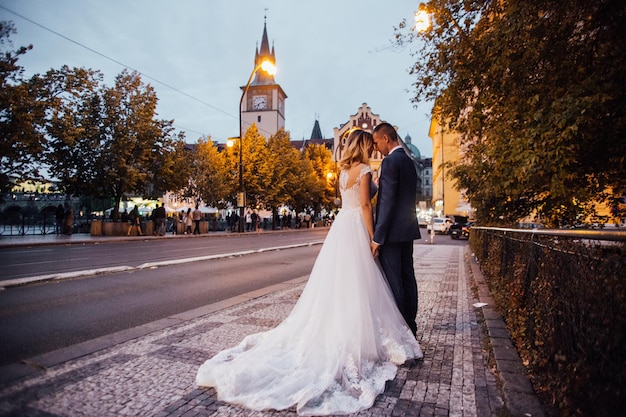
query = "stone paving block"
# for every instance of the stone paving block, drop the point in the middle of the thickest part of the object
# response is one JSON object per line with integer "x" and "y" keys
{"x": 490, "y": 313}
{"x": 501, "y": 342}
{"x": 514, "y": 366}
{"x": 517, "y": 382}
{"x": 498, "y": 332}
{"x": 505, "y": 354}
{"x": 523, "y": 405}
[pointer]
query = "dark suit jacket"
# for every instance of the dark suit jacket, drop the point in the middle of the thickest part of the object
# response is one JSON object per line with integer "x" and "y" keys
{"x": 396, "y": 219}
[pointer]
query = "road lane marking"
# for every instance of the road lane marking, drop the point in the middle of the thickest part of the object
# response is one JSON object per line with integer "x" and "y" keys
{"x": 63, "y": 275}
{"x": 148, "y": 265}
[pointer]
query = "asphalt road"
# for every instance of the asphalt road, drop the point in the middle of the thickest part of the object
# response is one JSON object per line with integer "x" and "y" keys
{"x": 22, "y": 262}
{"x": 42, "y": 317}
{"x": 48, "y": 315}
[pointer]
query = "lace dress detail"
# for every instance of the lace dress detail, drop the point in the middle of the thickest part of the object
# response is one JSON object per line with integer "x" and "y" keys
{"x": 341, "y": 342}
{"x": 351, "y": 197}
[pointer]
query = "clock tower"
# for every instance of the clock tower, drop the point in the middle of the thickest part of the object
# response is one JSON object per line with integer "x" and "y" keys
{"x": 264, "y": 102}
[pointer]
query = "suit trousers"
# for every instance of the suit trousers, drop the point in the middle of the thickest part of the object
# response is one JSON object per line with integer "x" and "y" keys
{"x": 396, "y": 259}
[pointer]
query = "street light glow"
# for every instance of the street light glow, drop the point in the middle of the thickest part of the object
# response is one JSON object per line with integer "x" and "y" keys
{"x": 422, "y": 19}
{"x": 268, "y": 67}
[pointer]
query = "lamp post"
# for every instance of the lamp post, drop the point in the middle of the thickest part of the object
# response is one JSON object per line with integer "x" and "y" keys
{"x": 269, "y": 68}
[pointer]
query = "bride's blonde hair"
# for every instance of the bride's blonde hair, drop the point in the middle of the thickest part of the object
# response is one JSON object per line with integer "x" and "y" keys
{"x": 358, "y": 146}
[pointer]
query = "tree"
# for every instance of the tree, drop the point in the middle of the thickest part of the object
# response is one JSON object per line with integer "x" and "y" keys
{"x": 74, "y": 129}
{"x": 537, "y": 92}
{"x": 106, "y": 142}
{"x": 209, "y": 174}
{"x": 323, "y": 186}
{"x": 257, "y": 172}
{"x": 173, "y": 166}
{"x": 21, "y": 117}
{"x": 284, "y": 161}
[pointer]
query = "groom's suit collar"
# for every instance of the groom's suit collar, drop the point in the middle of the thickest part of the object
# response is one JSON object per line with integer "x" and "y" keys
{"x": 395, "y": 149}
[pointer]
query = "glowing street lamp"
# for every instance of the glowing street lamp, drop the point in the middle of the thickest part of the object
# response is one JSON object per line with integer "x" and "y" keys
{"x": 269, "y": 68}
{"x": 422, "y": 19}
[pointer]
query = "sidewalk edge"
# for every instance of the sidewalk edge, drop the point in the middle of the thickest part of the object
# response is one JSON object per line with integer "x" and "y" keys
{"x": 519, "y": 395}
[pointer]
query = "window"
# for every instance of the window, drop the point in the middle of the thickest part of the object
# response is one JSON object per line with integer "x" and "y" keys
{"x": 258, "y": 119}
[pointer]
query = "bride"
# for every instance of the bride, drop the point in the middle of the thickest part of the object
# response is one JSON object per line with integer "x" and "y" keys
{"x": 344, "y": 337}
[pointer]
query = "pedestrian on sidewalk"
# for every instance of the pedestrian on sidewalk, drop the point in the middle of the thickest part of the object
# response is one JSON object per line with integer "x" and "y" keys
{"x": 59, "y": 214}
{"x": 135, "y": 221}
{"x": 188, "y": 221}
{"x": 197, "y": 215}
{"x": 249, "y": 221}
{"x": 345, "y": 336}
{"x": 68, "y": 219}
{"x": 159, "y": 220}
{"x": 396, "y": 224}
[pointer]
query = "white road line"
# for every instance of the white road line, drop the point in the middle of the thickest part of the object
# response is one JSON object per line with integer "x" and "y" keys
{"x": 91, "y": 272}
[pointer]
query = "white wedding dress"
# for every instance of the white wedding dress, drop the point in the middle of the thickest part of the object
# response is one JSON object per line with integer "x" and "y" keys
{"x": 342, "y": 341}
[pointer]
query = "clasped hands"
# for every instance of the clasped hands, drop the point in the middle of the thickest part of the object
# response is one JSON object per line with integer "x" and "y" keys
{"x": 374, "y": 247}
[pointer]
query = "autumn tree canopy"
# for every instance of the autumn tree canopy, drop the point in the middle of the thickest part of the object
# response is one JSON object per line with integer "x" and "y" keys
{"x": 537, "y": 92}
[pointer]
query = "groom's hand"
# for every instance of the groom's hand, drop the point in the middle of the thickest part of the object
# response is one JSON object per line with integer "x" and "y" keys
{"x": 374, "y": 246}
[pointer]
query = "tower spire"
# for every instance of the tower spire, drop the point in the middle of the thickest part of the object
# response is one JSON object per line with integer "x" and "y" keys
{"x": 264, "y": 53}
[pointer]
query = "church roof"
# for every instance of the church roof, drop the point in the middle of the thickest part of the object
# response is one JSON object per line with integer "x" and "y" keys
{"x": 412, "y": 148}
{"x": 317, "y": 132}
{"x": 416, "y": 152}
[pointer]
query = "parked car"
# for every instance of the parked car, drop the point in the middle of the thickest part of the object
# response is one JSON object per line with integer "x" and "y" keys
{"x": 460, "y": 230}
{"x": 439, "y": 225}
{"x": 422, "y": 221}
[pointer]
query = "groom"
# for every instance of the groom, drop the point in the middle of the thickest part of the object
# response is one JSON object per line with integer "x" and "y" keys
{"x": 396, "y": 221}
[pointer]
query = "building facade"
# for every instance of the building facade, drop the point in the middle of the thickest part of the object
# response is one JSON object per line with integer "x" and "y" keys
{"x": 367, "y": 120}
{"x": 446, "y": 199}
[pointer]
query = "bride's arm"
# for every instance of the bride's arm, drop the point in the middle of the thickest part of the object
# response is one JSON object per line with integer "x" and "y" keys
{"x": 366, "y": 203}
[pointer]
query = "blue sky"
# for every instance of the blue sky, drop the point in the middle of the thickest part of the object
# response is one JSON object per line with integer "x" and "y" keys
{"x": 331, "y": 55}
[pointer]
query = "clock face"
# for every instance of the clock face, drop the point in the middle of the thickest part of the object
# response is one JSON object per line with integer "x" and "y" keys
{"x": 259, "y": 103}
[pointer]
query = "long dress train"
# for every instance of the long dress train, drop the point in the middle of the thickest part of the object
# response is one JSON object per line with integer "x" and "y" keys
{"x": 342, "y": 341}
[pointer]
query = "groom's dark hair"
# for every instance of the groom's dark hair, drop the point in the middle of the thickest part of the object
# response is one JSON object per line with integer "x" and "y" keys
{"x": 386, "y": 129}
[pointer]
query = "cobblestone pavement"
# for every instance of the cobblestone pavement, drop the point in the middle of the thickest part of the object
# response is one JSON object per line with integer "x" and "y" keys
{"x": 153, "y": 375}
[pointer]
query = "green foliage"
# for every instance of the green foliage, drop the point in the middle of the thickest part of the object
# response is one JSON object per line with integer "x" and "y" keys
{"x": 105, "y": 141}
{"x": 173, "y": 165}
{"x": 563, "y": 301}
{"x": 537, "y": 91}
{"x": 75, "y": 140}
{"x": 21, "y": 117}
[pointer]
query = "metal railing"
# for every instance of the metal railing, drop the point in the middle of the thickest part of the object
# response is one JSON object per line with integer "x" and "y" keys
{"x": 22, "y": 224}
{"x": 562, "y": 294}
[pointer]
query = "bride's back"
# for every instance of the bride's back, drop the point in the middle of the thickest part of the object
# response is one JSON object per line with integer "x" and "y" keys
{"x": 349, "y": 181}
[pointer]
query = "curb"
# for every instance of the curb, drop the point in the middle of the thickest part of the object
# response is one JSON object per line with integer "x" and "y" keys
{"x": 519, "y": 395}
